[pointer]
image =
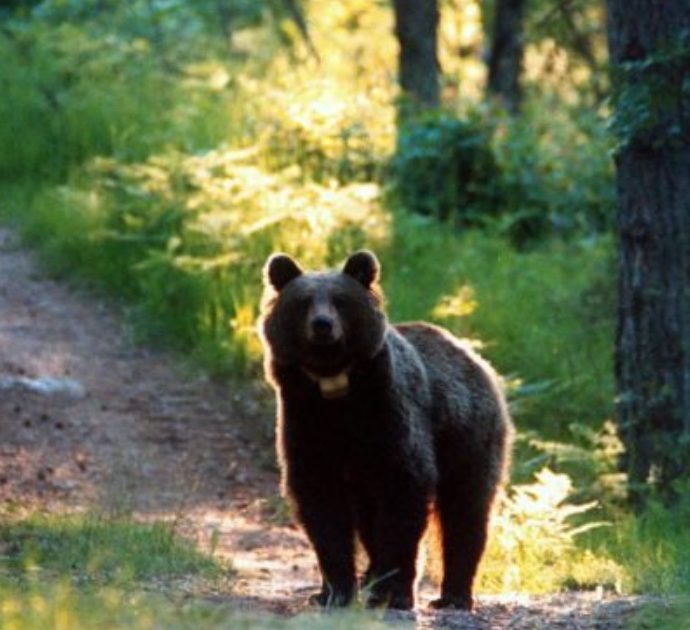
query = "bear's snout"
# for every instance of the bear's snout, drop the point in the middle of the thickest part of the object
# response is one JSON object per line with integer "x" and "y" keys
{"x": 324, "y": 324}
{"x": 324, "y": 330}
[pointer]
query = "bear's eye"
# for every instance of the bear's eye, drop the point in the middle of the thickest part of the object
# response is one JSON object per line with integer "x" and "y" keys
{"x": 339, "y": 301}
{"x": 304, "y": 302}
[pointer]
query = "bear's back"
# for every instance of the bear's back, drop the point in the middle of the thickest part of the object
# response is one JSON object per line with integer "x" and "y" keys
{"x": 465, "y": 389}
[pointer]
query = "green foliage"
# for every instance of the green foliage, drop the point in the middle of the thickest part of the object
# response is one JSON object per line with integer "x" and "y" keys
{"x": 591, "y": 456}
{"x": 655, "y": 548}
{"x": 327, "y": 136}
{"x": 160, "y": 22}
{"x": 184, "y": 239}
{"x": 648, "y": 95}
{"x": 54, "y": 117}
{"x": 528, "y": 178}
{"x": 556, "y": 173}
{"x": 671, "y": 614}
{"x": 59, "y": 606}
{"x": 533, "y": 542}
{"x": 444, "y": 168}
{"x": 543, "y": 316}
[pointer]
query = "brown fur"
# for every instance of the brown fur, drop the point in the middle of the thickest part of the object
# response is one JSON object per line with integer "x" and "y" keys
{"x": 378, "y": 425}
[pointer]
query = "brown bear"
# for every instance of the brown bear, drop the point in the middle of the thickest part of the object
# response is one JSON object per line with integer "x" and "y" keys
{"x": 379, "y": 428}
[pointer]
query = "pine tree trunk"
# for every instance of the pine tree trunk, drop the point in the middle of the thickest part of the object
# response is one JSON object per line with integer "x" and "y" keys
{"x": 507, "y": 49}
{"x": 650, "y": 63}
{"x": 416, "y": 24}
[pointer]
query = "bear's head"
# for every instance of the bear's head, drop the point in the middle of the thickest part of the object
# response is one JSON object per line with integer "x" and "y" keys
{"x": 324, "y": 322}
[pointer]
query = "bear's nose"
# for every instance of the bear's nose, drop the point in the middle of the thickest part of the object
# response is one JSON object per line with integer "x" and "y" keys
{"x": 322, "y": 326}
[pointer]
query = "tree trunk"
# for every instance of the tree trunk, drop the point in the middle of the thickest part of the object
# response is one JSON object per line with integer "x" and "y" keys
{"x": 650, "y": 60}
{"x": 416, "y": 23}
{"x": 507, "y": 48}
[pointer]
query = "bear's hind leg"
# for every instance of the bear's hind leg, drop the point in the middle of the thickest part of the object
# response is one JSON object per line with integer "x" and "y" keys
{"x": 463, "y": 514}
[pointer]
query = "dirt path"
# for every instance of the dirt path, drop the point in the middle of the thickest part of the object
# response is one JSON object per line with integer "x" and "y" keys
{"x": 123, "y": 428}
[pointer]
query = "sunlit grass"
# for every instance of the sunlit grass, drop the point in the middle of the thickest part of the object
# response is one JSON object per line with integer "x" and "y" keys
{"x": 98, "y": 550}
{"x": 64, "y": 608}
{"x": 85, "y": 571}
{"x": 533, "y": 545}
{"x": 655, "y": 547}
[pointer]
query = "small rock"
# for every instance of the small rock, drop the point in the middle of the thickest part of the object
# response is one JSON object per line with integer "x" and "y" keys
{"x": 47, "y": 386}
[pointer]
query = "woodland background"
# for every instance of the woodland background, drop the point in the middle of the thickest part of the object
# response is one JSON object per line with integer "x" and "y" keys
{"x": 158, "y": 151}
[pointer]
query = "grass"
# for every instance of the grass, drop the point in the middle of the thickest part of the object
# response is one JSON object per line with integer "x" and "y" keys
{"x": 672, "y": 614}
{"x": 656, "y": 549}
{"x": 98, "y": 550}
{"x": 80, "y": 571}
{"x": 542, "y": 316}
{"x": 67, "y": 609}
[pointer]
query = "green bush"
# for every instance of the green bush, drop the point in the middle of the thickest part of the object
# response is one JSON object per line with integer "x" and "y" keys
{"x": 556, "y": 173}
{"x": 68, "y": 95}
{"x": 529, "y": 177}
{"x": 184, "y": 238}
{"x": 444, "y": 167}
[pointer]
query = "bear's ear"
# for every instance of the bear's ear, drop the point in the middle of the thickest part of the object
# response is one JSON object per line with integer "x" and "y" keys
{"x": 363, "y": 266}
{"x": 279, "y": 270}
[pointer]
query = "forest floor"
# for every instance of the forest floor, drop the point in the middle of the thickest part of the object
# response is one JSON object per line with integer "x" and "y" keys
{"x": 126, "y": 428}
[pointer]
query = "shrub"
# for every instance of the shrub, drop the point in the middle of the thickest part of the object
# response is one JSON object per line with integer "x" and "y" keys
{"x": 556, "y": 172}
{"x": 326, "y": 134}
{"x": 184, "y": 239}
{"x": 533, "y": 541}
{"x": 444, "y": 167}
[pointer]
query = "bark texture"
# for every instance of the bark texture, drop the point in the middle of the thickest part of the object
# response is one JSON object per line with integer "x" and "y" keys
{"x": 416, "y": 25}
{"x": 650, "y": 67}
{"x": 507, "y": 51}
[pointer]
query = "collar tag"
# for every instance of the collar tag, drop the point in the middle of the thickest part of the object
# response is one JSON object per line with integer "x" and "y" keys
{"x": 332, "y": 386}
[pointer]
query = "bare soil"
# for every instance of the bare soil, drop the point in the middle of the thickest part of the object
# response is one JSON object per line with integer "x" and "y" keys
{"x": 148, "y": 436}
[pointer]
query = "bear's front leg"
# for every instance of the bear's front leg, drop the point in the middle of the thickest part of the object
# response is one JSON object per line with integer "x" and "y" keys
{"x": 400, "y": 523}
{"x": 326, "y": 515}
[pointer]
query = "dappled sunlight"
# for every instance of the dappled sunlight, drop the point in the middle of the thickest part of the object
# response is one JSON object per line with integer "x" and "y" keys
{"x": 343, "y": 33}
{"x": 220, "y": 217}
{"x": 546, "y": 59}
{"x": 207, "y": 74}
{"x": 456, "y": 305}
{"x": 328, "y": 131}
{"x": 550, "y": 65}
{"x": 460, "y": 46}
